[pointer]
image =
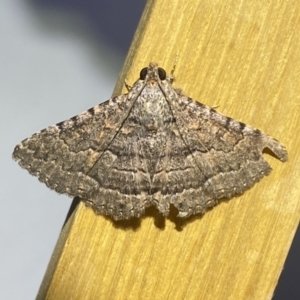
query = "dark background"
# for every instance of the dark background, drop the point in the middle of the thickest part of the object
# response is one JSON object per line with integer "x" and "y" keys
{"x": 58, "y": 58}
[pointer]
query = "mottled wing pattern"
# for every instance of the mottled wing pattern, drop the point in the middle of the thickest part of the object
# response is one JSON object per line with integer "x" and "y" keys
{"x": 152, "y": 146}
{"x": 226, "y": 154}
{"x": 132, "y": 172}
{"x": 123, "y": 179}
{"x": 62, "y": 155}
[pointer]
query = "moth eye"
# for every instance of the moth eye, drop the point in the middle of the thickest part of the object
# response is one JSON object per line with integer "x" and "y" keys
{"x": 143, "y": 73}
{"x": 162, "y": 74}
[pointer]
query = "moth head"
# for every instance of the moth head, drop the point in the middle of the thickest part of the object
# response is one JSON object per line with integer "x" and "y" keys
{"x": 153, "y": 71}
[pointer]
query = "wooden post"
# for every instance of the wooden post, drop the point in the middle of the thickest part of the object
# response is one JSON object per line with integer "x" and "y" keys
{"x": 242, "y": 56}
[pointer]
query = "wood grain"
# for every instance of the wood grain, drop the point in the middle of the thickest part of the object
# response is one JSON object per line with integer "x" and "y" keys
{"x": 242, "y": 56}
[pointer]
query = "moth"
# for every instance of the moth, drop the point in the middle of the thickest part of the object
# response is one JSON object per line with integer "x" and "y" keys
{"x": 150, "y": 146}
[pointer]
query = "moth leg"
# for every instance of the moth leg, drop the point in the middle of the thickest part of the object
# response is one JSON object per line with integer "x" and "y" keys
{"x": 128, "y": 87}
{"x": 172, "y": 77}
